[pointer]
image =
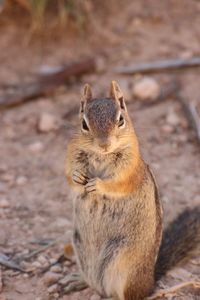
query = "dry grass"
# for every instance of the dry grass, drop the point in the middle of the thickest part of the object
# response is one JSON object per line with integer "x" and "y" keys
{"x": 43, "y": 14}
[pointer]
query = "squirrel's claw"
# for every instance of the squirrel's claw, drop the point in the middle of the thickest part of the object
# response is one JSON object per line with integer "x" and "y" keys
{"x": 93, "y": 185}
{"x": 72, "y": 283}
{"x": 79, "y": 178}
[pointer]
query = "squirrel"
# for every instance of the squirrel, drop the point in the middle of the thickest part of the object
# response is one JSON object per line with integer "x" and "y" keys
{"x": 117, "y": 213}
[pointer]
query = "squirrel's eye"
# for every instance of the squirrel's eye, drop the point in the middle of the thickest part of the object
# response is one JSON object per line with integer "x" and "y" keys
{"x": 121, "y": 121}
{"x": 84, "y": 125}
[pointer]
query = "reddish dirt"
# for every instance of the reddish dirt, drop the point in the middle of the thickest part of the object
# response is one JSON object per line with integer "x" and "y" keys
{"x": 37, "y": 204}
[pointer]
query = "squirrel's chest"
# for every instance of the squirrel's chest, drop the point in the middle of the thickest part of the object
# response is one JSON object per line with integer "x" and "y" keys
{"x": 99, "y": 167}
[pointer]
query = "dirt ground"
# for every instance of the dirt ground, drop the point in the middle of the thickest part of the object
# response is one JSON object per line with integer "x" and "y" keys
{"x": 35, "y": 204}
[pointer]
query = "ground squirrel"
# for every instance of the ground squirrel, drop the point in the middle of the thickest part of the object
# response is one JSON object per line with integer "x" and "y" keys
{"x": 117, "y": 211}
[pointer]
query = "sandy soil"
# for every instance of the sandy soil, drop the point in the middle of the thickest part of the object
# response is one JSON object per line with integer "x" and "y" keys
{"x": 35, "y": 205}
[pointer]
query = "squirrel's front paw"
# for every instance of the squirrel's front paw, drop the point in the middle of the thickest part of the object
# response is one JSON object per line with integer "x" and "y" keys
{"x": 79, "y": 178}
{"x": 94, "y": 185}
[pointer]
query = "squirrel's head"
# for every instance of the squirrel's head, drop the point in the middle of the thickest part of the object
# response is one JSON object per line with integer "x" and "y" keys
{"x": 105, "y": 124}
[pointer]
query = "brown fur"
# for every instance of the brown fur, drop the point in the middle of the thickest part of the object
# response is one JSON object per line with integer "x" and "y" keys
{"x": 117, "y": 212}
{"x": 181, "y": 241}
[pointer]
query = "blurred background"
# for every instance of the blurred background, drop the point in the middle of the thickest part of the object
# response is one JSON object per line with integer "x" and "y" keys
{"x": 48, "y": 50}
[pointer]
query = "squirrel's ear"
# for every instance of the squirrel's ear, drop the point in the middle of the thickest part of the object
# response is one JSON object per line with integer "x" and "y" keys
{"x": 116, "y": 93}
{"x": 87, "y": 92}
{"x": 87, "y": 96}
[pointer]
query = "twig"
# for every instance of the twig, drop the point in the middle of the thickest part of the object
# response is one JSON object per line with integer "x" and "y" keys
{"x": 6, "y": 262}
{"x": 159, "y": 66}
{"x": 60, "y": 260}
{"x": 191, "y": 113}
{"x": 46, "y": 84}
{"x": 37, "y": 251}
{"x": 1, "y": 281}
{"x": 164, "y": 292}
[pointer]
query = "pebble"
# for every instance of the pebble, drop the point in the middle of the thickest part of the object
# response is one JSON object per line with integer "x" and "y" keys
{"x": 56, "y": 269}
{"x": 36, "y": 264}
{"x": 3, "y": 233}
{"x": 51, "y": 277}
{"x": 4, "y": 203}
{"x": 3, "y": 168}
{"x": 52, "y": 289}
{"x": 52, "y": 260}
{"x": 21, "y": 180}
{"x": 56, "y": 295}
{"x": 62, "y": 222}
{"x": 186, "y": 54}
{"x": 42, "y": 259}
{"x": 47, "y": 122}
{"x": 36, "y": 147}
{"x": 172, "y": 118}
{"x": 183, "y": 138}
{"x": 146, "y": 88}
{"x": 10, "y": 133}
{"x": 7, "y": 177}
{"x": 100, "y": 64}
{"x": 167, "y": 128}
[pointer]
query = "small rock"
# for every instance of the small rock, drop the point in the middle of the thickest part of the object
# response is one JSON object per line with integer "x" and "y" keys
{"x": 186, "y": 54}
{"x": 172, "y": 118}
{"x": 62, "y": 222}
{"x": 184, "y": 123}
{"x": 36, "y": 147}
{"x": 21, "y": 180}
{"x": 56, "y": 295}
{"x": 51, "y": 278}
{"x": 52, "y": 289}
{"x": 56, "y": 269}
{"x": 156, "y": 166}
{"x": 4, "y": 203}
{"x": 7, "y": 177}
{"x": 24, "y": 264}
{"x": 167, "y": 128}
{"x": 10, "y": 133}
{"x": 3, "y": 233}
{"x": 165, "y": 199}
{"x": 42, "y": 259}
{"x": 100, "y": 64}
{"x": 47, "y": 122}
{"x": 3, "y": 168}
{"x": 95, "y": 297}
{"x": 36, "y": 264}
{"x": 146, "y": 88}
{"x": 183, "y": 138}
{"x": 52, "y": 260}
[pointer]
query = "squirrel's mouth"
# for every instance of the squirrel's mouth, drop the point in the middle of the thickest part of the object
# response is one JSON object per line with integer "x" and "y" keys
{"x": 105, "y": 150}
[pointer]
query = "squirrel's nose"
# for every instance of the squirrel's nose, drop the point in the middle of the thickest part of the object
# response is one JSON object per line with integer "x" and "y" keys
{"x": 104, "y": 144}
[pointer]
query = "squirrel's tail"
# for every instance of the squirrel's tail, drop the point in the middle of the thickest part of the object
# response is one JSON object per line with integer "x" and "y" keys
{"x": 181, "y": 241}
